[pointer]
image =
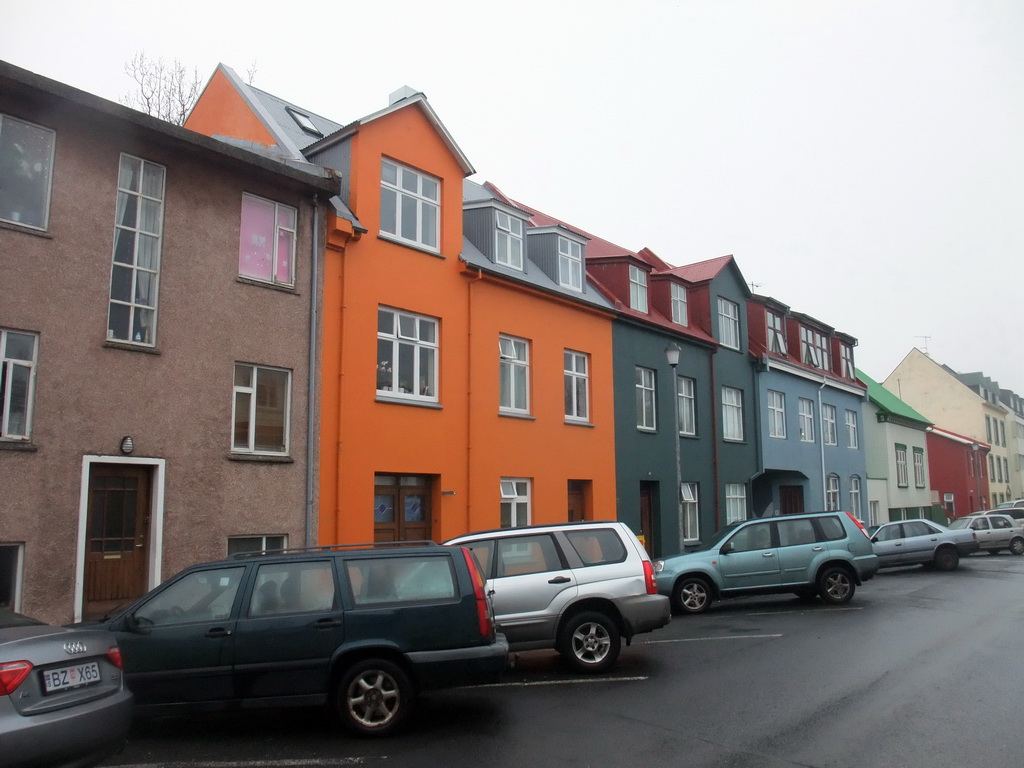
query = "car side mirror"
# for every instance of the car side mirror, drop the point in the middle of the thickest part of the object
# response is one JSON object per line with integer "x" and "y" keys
{"x": 137, "y": 625}
{"x": 874, "y": 539}
{"x": 728, "y": 548}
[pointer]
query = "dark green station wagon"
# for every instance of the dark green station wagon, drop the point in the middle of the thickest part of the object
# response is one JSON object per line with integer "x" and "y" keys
{"x": 360, "y": 629}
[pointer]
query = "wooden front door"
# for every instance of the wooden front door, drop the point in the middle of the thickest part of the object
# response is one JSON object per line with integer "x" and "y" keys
{"x": 647, "y": 516}
{"x": 401, "y": 508}
{"x": 576, "y": 501}
{"x": 117, "y": 537}
{"x": 791, "y": 499}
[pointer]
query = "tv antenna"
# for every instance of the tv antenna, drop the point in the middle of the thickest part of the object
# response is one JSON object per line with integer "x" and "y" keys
{"x": 926, "y": 338}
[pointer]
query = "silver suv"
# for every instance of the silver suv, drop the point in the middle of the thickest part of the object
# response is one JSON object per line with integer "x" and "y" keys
{"x": 577, "y": 587}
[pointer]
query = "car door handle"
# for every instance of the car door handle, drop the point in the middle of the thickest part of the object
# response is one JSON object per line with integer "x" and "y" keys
{"x": 327, "y": 623}
{"x": 767, "y": 554}
{"x": 218, "y": 632}
{"x": 898, "y": 544}
{"x": 816, "y": 549}
{"x": 559, "y": 580}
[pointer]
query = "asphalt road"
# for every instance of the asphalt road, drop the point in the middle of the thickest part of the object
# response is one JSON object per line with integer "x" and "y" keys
{"x": 919, "y": 669}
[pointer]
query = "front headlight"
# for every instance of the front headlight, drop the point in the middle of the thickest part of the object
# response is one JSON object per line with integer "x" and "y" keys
{"x": 659, "y": 566}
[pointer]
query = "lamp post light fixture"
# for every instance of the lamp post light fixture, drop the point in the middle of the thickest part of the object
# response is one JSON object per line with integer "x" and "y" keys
{"x": 672, "y": 352}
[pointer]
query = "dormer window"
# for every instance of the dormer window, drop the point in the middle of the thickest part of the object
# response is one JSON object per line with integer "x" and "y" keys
{"x": 304, "y": 122}
{"x": 570, "y": 264}
{"x": 847, "y": 358}
{"x": 679, "y": 313}
{"x": 728, "y": 323}
{"x": 776, "y": 334}
{"x": 814, "y": 349}
{"x": 637, "y": 289}
{"x": 508, "y": 247}
{"x": 410, "y": 206}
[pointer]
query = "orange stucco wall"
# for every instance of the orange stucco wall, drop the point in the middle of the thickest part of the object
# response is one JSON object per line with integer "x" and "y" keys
{"x": 222, "y": 111}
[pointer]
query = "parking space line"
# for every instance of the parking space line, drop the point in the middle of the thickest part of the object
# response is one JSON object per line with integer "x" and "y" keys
{"x": 699, "y": 639}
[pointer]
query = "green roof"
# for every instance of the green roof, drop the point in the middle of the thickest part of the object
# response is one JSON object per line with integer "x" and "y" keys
{"x": 886, "y": 401}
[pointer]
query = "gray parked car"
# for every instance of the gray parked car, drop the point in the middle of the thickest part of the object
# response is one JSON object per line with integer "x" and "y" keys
{"x": 62, "y": 695}
{"x": 578, "y": 587}
{"x": 995, "y": 532}
{"x": 922, "y": 542}
{"x": 820, "y": 553}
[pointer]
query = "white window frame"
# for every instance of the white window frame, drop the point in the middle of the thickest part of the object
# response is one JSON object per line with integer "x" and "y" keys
{"x": 852, "y": 430}
{"x": 408, "y": 332}
{"x": 728, "y": 323}
{"x": 902, "y": 479}
{"x": 855, "y": 501}
{"x": 283, "y": 230}
{"x": 128, "y": 277}
{"x": 680, "y": 310}
{"x": 829, "y": 428}
{"x": 577, "y": 386}
{"x": 258, "y": 543}
{"x": 24, "y": 168}
{"x": 414, "y": 194}
{"x": 918, "y": 454}
{"x": 814, "y": 349}
{"x": 515, "y": 495}
{"x": 27, "y": 378}
{"x": 832, "y": 493}
{"x": 508, "y": 240}
{"x": 806, "y": 410}
{"x": 732, "y": 414}
{"x": 735, "y": 502}
{"x": 686, "y": 393}
{"x": 513, "y": 374}
{"x": 776, "y": 333}
{"x": 570, "y": 264}
{"x": 646, "y": 400}
{"x": 253, "y": 392}
{"x": 637, "y": 289}
{"x": 776, "y": 414}
{"x": 689, "y": 513}
{"x": 846, "y": 352}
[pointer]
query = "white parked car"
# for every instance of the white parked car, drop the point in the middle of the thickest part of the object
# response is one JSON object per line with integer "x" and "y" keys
{"x": 922, "y": 542}
{"x": 995, "y": 532}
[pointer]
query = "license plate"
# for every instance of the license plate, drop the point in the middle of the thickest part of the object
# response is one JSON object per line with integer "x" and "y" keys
{"x": 71, "y": 677}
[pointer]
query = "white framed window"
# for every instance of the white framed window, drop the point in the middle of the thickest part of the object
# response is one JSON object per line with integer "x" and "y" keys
{"x": 806, "y": 409}
{"x": 814, "y": 348}
{"x": 829, "y": 431}
{"x": 260, "y": 410}
{"x": 728, "y": 323}
{"x": 18, "y": 358}
{"x": 515, "y": 502}
{"x": 855, "y": 496}
{"x": 570, "y": 264}
{"x": 852, "y": 431}
{"x": 901, "y": 466}
{"x": 776, "y": 414}
{"x": 735, "y": 502}
{"x": 689, "y": 512}
{"x": 832, "y": 493}
{"x": 508, "y": 245}
{"x": 514, "y": 374}
{"x": 407, "y": 355}
{"x": 637, "y": 289}
{"x": 645, "y": 398}
{"x": 846, "y": 353}
{"x": 257, "y": 543}
{"x": 680, "y": 314}
{"x": 732, "y": 413}
{"x": 776, "y": 334}
{"x": 577, "y": 386}
{"x": 686, "y": 391}
{"x": 135, "y": 271}
{"x": 266, "y": 242}
{"x": 410, "y": 206}
{"x": 919, "y": 468}
{"x": 26, "y": 170}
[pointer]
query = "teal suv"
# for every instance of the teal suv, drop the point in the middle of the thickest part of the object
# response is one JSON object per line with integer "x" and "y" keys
{"x": 359, "y": 629}
{"x": 824, "y": 554}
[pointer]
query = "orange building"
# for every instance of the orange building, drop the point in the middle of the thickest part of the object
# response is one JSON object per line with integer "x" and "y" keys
{"x": 465, "y": 382}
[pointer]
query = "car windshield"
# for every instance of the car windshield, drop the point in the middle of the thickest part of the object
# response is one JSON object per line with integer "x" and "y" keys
{"x": 9, "y": 618}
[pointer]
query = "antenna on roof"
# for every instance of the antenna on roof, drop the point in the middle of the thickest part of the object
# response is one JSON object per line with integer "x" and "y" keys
{"x": 926, "y": 338}
{"x": 754, "y": 286}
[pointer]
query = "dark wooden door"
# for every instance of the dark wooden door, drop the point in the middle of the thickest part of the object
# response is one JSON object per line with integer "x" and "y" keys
{"x": 401, "y": 508}
{"x": 577, "y": 510}
{"x": 791, "y": 499}
{"x": 647, "y": 516}
{"x": 117, "y": 537}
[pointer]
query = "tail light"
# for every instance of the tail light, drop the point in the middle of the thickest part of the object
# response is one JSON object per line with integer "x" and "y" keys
{"x": 114, "y": 654}
{"x": 12, "y": 674}
{"x": 483, "y": 607}
{"x": 860, "y": 525}
{"x": 652, "y": 585}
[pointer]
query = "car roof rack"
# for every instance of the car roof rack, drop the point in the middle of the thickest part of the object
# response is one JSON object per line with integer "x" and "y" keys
{"x": 335, "y": 548}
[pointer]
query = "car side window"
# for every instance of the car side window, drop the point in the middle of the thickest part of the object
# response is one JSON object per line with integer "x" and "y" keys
{"x": 521, "y": 555}
{"x": 483, "y": 551}
{"x": 750, "y": 538}
{"x": 197, "y": 596}
{"x": 831, "y": 528}
{"x": 888, "y": 533}
{"x": 1000, "y": 522}
{"x": 297, "y": 587}
{"x": 916, "y": 529}
{"x": 597, "y": 546}
{"x": 401, "y": 579}
{"x": 794, "y": 532}
{"x": 980, "y": 524}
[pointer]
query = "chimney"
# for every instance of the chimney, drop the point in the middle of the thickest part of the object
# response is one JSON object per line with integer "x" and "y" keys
{"x": 405, "y": 92}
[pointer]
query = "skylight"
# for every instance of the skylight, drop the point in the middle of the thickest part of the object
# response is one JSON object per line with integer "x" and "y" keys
{"x": 303, "y": 122}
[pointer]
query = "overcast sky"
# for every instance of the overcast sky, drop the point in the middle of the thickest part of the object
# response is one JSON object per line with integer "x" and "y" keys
{"x": 863, "y": 160}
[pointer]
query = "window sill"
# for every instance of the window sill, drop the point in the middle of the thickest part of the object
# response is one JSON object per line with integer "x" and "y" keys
{"x": 14, "y": 227}
{"x": 394, "y": 400}
{"x": 514, "y": 415}
{"x": 409, "y": 244}
{"x": 130, "y": 347}
{"x": 12, "y": 445}
{"x": 260, "y": 458}
{"x": 578, "y": 423}
{"x": 291, "y": 289}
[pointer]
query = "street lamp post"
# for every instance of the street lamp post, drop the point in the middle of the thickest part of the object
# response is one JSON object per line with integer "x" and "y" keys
{"x": 672, "y": 355}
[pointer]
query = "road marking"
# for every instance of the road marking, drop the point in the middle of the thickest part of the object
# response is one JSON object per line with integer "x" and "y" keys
{"x": 262, "y": 763}
{"x": 574, "y": 681}
{"x": 700, "y": 639}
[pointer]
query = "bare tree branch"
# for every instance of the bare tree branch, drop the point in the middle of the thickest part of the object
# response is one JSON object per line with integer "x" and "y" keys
{"x": 164, "y": 91}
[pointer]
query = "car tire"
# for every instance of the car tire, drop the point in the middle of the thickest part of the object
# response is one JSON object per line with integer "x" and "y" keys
{"x": 374, "y": 697}
{"x": 946, "y": 559}
{"x": 836, "y": 585}
{"x": 1017, "y": 546}
{"x": 691, "y": 594}
{"x": 992, "y": 551}
{"x": 590, "y": 641}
